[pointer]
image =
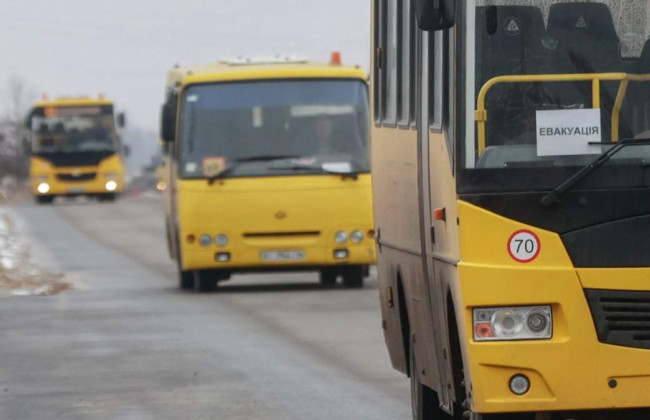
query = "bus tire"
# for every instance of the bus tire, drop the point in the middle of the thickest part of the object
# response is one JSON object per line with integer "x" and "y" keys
{"x": 203, "y": 281}
{"x": 45, "y": 199}
{"x": 424, "y": 401}
{"x": 328, "y": 276}
{"x": 353, "y": 277}
{"x": 109, "y": 198}
{"x": 185, "y": 279}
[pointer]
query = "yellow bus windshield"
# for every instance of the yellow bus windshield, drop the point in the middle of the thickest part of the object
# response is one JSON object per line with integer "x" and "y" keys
{"x": 73, "y": 130}
{"x": 274, "y": 128}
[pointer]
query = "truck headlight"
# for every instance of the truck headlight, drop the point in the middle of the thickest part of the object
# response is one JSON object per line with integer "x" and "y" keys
{"x": 111, "y": 186}
{"x": 515, "y": 323}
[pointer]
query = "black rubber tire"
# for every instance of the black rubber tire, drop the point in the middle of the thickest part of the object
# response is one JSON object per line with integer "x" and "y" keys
{"x": 328, "y": 277}
{"x": 185, "y": 279}
{"x": 45, "y": 199}
{"x": 204, "y": 281}
{"x": 107, "y": 198}
{"x": 353, "y": 277}
{"x": 424, "y": 401}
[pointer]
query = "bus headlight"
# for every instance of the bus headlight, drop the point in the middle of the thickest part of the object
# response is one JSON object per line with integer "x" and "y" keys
{"x": 340, "y": 237}
{"x": 111, "y": 175}
{"x": 43, "y": 188}
{"x": 111, "y": 186}
{"x": 356, "y": 236}
{"x": 205, "y": 240}
{"x": 516, "y": 323}
{"x": 221, "y": 240}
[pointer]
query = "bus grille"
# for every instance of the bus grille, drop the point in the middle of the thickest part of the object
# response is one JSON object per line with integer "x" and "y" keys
{"x": 622, "y": 317}
{"x": 303, "y": 234}
{"x": 81, "y": 177}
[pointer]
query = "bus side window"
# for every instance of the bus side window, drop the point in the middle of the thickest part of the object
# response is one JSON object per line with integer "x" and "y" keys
{"x": 440, "y": 91}
{"x": 407, "y": 47}
{"x": 387, "y": 62}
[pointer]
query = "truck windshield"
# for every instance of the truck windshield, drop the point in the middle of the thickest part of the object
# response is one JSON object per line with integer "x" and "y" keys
{"x": 550, "y": 86}
{"x": 65, "y": 133}
{"x": 307, "y": 125}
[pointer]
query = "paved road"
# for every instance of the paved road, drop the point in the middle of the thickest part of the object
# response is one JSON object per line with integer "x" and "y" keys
{"x": 126, "y": 344}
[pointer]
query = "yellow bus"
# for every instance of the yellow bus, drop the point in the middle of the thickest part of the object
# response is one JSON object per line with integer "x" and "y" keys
{"x": 75, "y": 149}
{"x": 510, "y": 150}
{"x": 269, "y": 170}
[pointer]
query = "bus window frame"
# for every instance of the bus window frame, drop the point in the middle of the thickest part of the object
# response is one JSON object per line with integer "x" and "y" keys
{"x": 379, "y": 63}
{"x": 392, "y": 97}
{"x": 408, "y": 48}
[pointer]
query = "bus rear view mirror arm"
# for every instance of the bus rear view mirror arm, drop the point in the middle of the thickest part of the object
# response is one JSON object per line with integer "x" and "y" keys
{"x": 435, "y": 15}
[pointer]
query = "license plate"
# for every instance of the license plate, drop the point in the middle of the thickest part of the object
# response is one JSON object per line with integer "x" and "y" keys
{"x": 274, "y": 256}
{"x": 77, "y": 190}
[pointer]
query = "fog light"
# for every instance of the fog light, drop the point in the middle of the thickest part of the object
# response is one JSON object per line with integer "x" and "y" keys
{"x": 221, "y": 240}
{"x": 356, "y": 236}
{"x": 205, "y": 240}
{"x": 43, "y": 188}
{"x": 223, "y": 256}
{"x": 341, "y": 237}
{"x": 519, "y": 384}
{"x": 111, "y": 186}
{"x": 341, "y": 254}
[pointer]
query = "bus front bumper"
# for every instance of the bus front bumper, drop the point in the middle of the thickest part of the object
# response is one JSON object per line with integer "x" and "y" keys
{"x": 571, "y": 371}
{"x": 98, "y": 185}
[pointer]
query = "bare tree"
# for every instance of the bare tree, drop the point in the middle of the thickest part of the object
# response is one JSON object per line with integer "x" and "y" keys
{"x": 17, "y": 98}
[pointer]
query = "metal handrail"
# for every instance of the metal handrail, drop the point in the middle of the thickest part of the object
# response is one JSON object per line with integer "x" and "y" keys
{"x": 481, "y": 116}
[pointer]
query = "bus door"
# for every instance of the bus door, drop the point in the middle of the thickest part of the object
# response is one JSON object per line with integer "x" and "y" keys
{"x": 430, "y": 137}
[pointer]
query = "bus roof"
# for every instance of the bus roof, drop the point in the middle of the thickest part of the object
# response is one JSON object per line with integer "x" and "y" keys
{"x": 244, "y": 69}
{"x": 63, "y": 102}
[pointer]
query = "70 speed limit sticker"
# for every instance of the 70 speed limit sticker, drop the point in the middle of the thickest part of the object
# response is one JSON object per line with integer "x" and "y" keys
{"x": 524, "y": 246}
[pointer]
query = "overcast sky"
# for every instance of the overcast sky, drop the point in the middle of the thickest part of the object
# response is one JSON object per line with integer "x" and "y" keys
{"x": 124, "y": 48}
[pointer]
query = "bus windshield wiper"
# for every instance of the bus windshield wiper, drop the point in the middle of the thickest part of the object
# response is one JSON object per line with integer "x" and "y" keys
{"x": 237, "y": 162}
{"x": 553, "y": 196}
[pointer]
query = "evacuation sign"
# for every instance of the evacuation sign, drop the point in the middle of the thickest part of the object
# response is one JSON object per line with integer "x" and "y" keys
{"x": 568, "y": 132}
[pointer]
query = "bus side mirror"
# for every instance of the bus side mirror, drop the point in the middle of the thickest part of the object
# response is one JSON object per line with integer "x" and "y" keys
{"x": 168, "y": 122}
{"x": 121, "y": 120}
{"x": 435, "y": 15}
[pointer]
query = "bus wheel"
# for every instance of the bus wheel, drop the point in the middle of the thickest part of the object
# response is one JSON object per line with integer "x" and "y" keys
{"x": 204, "y": 281}
{"x": 328, "y": 277}
{"x": 45, "y": 199}
{"x": 110, "y": 197}
{"x": 424, "y": 402}
{"x": 353, "y": 277}
{"x": 185, "y": 279}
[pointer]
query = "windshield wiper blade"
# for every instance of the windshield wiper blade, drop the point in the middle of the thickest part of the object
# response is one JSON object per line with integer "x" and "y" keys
{"x": 554, "y": 195}
{"x": 236, "y": 162}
